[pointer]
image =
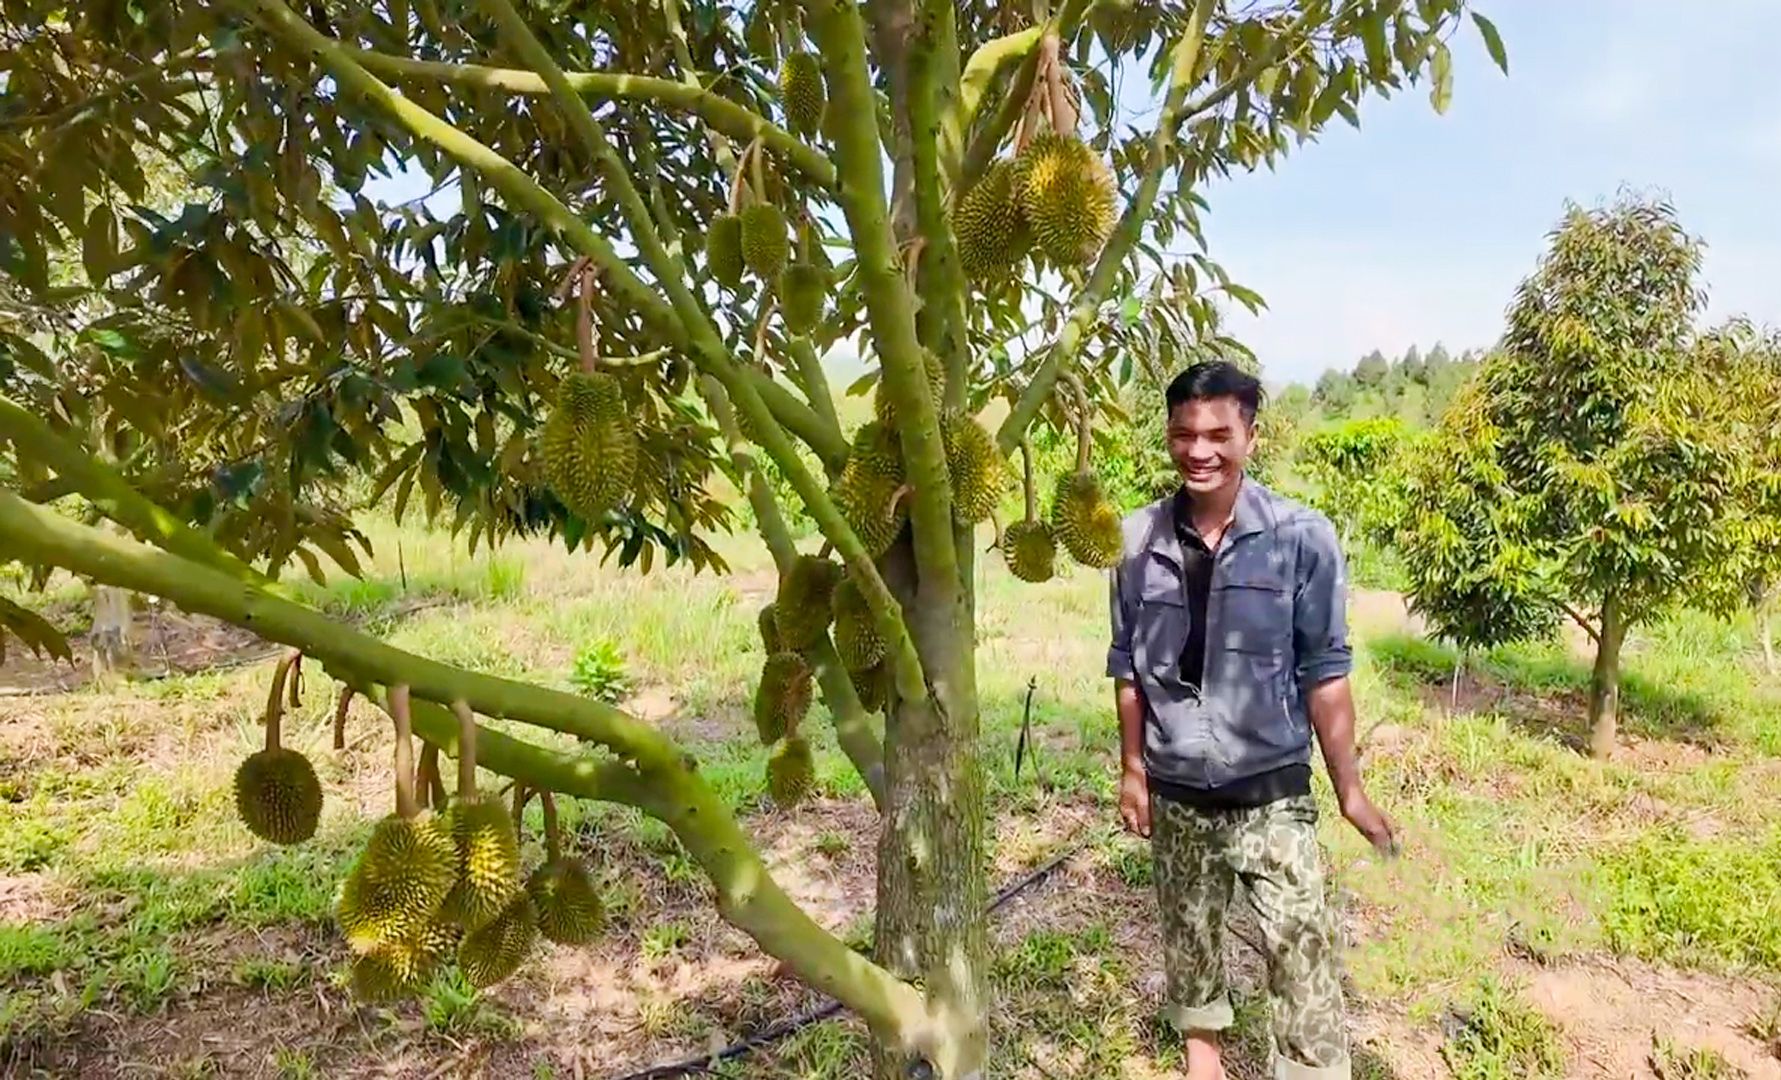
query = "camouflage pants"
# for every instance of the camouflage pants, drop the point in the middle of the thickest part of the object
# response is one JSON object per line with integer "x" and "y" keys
{"x": 1200, "y": 855}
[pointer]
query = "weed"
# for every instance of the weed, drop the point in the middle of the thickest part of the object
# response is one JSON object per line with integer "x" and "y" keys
{"x": 146, "y": 979}
{"x": 294, "y": 1064}
{"x": 665, "y": 938}
{"x": 600, "y": 671}
{"x": 31, "y": 950}
{"x": 832, "y": 843}
{"x": 1497, "y": 1036}
{"x": 1672, "y": 1062}
{"x": 452, "y": 1006}
{"x": 259, "y": 973}
{"x": 32, "y": 839}
{"x": 1696, "y": 901}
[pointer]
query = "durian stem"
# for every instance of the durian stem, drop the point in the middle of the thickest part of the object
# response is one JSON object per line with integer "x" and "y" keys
{"x": 296, "y": 680}
{"x": 1026, "y": 468}
{"x": 989, "y": 138}
{"x": 406, "y": 805}
{"x": 275, "y": 702}
{"x": 740, "y": 181}
{"x": 424, "y": 774}
{"x": 758, "y": 172}
{"x": 1086, "y": 307}
{"x": 341, "y": 704}
{"x": 466, "y": 749}
{"x": 522, "y": 795}
{"x": 980, "y": 70}
{"x": 1084, "y": 425}
{"x": 588, "y": 352}
{"x": 553, "y": 837}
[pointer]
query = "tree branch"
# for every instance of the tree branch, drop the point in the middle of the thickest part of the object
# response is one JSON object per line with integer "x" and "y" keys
{"x": 1088, "y": 302}
{"x": 816, "y": 382}
{"x": 721, "y": 113}
{"x": 942, "y": 316}
{"x": 852, "y": 729}
{"x": 1581, "y": 620}
{"x": 980, "y": 71}
{"x": 983, "y": 147}
{"x": 838, "y": 30}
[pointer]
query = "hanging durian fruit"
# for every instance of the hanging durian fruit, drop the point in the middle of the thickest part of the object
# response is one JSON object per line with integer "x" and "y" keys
{"x": 886, "y": 412}
{"x": 791, "y": 771}
{"x": 496, "y": 949}
{"x": 1067, "y": 195}
{"x": 769, "y": 629}
{"x": 488, "y": 869}
{"x": 991, "y": 226}
{"x": 402, "y": 968}
{"x": 1028, "y": 546}
{"x": 856, "y": 635}
{"x": 570, "y": 911}
{"x": 802, "y": 296}
{"x": 588, "y": 444}
{"x": 978, "y": 472}
{"x": 801, "y": 88}
{"x": 871, "y": 686}
{"x": 869, "y": 492}
{"x": 277, "y": 793}
{"x": 801, "y": 608}
{"x": 395, "y": 889}
{"x": 783, "y": 696}
{"x": 723, "y": 249}
{"x": 1085, "y": 522}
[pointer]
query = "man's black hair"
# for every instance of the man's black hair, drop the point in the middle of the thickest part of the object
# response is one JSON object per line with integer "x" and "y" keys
{"x": 1210, "y": 379}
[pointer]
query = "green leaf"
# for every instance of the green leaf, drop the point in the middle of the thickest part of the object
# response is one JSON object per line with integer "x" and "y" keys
{"x": 1493, "y": 41}
{"x": 1372, "y": 32}
{"x": 98, "y": 244}
{"x": 1441, "y": 67}
{"x": 213, "y": 381}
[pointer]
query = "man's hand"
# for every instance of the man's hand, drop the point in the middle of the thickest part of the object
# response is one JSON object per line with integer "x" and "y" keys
{"x": 1370, "y": 821}
{"x": 1134, "y": 801}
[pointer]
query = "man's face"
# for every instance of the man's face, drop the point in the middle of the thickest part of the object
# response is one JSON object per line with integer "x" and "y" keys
{"x": 1209, "y": 441}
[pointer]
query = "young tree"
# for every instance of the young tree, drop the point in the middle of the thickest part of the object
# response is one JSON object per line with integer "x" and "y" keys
{"x": 1352, "y": 466}
{"x": 641, "y": 230}
{"x": 1612, "y": 479}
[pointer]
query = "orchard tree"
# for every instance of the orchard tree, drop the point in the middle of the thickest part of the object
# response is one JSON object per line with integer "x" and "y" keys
{"x": 1598, "y": 464}
{"x": 638, "y": 228}
{"x": 1352, "y": 467}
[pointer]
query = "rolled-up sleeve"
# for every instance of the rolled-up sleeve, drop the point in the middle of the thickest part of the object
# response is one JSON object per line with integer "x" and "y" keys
{"x": 1119, "y": 650}
{"x": 1320, "y": 607}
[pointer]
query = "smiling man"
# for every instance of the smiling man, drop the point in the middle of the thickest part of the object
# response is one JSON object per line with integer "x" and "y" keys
{"x": 1230, "y": 647}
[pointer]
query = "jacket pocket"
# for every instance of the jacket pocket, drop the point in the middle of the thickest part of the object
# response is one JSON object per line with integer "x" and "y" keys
{"x": 1161, "y": 629}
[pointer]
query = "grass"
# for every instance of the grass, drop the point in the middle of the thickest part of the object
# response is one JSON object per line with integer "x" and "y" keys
{"x": 153, "y": 901}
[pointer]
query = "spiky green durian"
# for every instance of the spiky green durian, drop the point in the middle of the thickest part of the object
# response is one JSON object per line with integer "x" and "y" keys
{"x": 782, "y": 698}
{"x": 991, "y": 226}
{"x": 868, "y": 490}
{"x": 886, "y": 413}
{"x": 1085, "y": 523}
{"x": 495, "y": 950}
{"x": 802, "y": 296}
{"x": 870, "y": 686}
{"x": 488, "y": 867}
{"x": 856, "y": 635}
{"x": 791, "y": 771}
{"x": 765, "y": 245}
{"x": 278, "y": 796}
{"x": 589, "y": 445}
{"x": 1067, "y": 195}
{"x": 801, "y": 608}
{"x": 402, "y": 876}
{"x": 978, "y": 472}
{"x": 402, "y": 968}
{"x": 723, "y": 249}
{"x": 801, "y": 87}
{"x": 769, "y": 629}
{"x": 570, "y": 911}
{"x": 1030, "y": 550}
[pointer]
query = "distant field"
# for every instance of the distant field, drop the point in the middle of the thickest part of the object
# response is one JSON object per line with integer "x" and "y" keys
{"x": 1552, "y": 915}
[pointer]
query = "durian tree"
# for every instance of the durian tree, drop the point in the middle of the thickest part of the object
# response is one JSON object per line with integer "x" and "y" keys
{"x": 643, "y": 228}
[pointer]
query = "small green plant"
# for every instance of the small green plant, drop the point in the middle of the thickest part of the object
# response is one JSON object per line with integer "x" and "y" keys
{"x": 257, "y": 973}
{"x": 294, "y": 1064}
{"x": 659, "y": 941}
{"x": 832, "y": 843}
{"x": 1672, "y": 1062}
{"x": 1676, "y": 898}
{"x": 600, "y": 671}
{"x": 1500, "y": 1037}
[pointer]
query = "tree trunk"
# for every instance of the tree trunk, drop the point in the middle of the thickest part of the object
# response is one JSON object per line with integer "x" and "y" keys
{"x": 112, "y": 648}
{"x": 1765, "y": 632}
{"x": 932, "y": 885}
{"x": 1604, "y": 683}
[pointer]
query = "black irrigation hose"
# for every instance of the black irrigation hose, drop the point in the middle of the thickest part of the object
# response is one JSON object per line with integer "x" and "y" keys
{"x": 774, "y": 1032}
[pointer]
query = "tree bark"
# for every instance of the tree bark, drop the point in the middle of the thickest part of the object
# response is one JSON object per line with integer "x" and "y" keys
{"x": 1765, "y": 631}
{"x": 113, "y": 650}
{"x": 932, "y": 884}
{"x": 1604, "y": 683}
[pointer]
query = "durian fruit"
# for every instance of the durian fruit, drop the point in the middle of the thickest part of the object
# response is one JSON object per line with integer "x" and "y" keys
{"x": 769, "y": 629}
{"x": 487, "y": 843}
{"x": 870, "y": 686}
{"x": 402, "y": 968}
{"x": 589, "y": 445}
{"x": 783, "y": 695}
{"x": 765, "y": 244}
{"x": 277, "y": 793}
{"x": 991, "y": 226}
{"x": 723, "y": 249}
{"x": 856, "y": 636}
{"x": 570, "y": 911}
{"x": 1085, "y": 522}
{"x": 791, "y": 771}
{"x": 801, "y": 610}
{"x": 801, "y": 296}
{"x": 496, "y": 949}
{"x": 801, "y": 87}
{"x": 886, "y": 412}
{"x": 978, "y": 472}
{"x": 1067, "y": 194}
{"x": 869, "y": 490}
{"x": 1030, "y": 550}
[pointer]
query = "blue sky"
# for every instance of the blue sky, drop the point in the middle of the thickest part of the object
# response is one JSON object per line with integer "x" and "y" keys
{"x": 1418, "y": 227}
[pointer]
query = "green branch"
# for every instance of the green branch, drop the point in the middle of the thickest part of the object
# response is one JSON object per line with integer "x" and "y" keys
{"x": 816, "y": 381}
{"x": 1087, "y": 305}
{"x": 931, "y": 81}
{"x": 853, "y": 112}
{"x": 822, "y": 433}
{"x": 980, "y": 71}
{"x": 989, "y": 139}
{"x": 852, "y": 729}
{"x": 722, "y": 114}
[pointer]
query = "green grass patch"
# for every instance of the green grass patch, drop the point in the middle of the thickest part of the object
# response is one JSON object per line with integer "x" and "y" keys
{"x": 1498, "y": 1036}
{"x": 1710, "y": 902}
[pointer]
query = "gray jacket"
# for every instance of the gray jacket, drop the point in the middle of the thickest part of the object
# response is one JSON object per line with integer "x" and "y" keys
{"x": 1275, "y": 624}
